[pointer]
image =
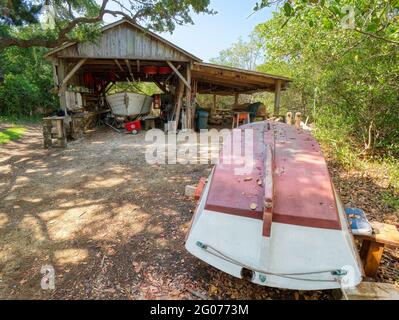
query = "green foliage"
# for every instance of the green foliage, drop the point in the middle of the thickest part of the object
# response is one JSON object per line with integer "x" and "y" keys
{"x": 243, "y": 54}
{"x": 147, "y": 88}
{"x": 29, "y": 19}
{"x": 343, "y": 80}
{"x": 9, "y": 134}
{"x": 374, "y": 18}
{"x": 164, "y": 15}
{"x": 27, "y": 82}
{"x": 391, "y": 200}
{"x": 80, "y": 20}
{"x": 18, "y": 12}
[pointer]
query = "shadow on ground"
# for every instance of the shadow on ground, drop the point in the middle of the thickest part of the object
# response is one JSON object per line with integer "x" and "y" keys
{"x": 112, "y": 226}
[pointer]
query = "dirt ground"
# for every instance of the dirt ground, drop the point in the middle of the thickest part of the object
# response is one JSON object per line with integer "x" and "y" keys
{"x": 112, "y": 226}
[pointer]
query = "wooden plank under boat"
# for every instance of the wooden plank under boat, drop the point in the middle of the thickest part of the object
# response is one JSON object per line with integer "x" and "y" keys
{"x": 283, "y": 222}
{"x": 129, "y": 104}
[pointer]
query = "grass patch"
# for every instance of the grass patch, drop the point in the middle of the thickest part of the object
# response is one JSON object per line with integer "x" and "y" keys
{"x": 9, "y": 134}
{"x": 21, "y": 120}
{"x": 391, "y": 200}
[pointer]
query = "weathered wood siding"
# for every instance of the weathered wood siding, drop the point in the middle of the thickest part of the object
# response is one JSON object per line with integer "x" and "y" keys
{"x": 124, "y": 42}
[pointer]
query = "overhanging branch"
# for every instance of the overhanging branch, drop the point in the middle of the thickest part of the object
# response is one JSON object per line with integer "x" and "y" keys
{"x": 63, "y": 34}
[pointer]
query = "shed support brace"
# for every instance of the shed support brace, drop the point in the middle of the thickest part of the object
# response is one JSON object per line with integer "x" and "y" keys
{"x": 70, "y": 74}
{"x": 171, "y": 65}
{"x": 119, "y": 65}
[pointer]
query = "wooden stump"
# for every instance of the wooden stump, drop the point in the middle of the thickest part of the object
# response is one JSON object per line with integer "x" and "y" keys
{"x": 298, "y": 116}
{"x": 288, "y": 118}
{"x": 57, "y": 138}
{"x": 47, "y": 125}
{"x": 77, "y": 127}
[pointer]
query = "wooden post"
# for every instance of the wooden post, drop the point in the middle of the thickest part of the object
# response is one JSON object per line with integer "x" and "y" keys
{"x": 55, "y": 73}
{"x": 47, "y": 132}
{"x": 288, "y": 118}
{"x": 371, "y": 254}
{"x": 119, "y": 65}
{"x": 189, "y": 114}
{"x": 179, "y": 100}
{"x": 373, "y": 245}
{"x": 61, "y": 92}
{"x": 61, "y": 134}
{"x": 194, "y": 100}
{"x": 77, "y": 127}
{"x": 176, "y": 71}
{"x": 213, "y": 109}
{"x": 298, "y": 119}
{"x": 277, "y": 96}
{"x": 70, "y": 74}
{"x": 236, "y": 97}
{"x": 129, "y": 68}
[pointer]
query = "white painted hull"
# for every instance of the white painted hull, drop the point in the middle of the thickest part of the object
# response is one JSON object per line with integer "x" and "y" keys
{"x": 129, "y": 104}
{"x": 276, "y": 261}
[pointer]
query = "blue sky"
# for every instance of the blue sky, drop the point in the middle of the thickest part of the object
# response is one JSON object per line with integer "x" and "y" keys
{"x": 211, "y": 34}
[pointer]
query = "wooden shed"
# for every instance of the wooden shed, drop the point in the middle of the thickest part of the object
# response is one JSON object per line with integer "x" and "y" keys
{"x": 122, "y": 53}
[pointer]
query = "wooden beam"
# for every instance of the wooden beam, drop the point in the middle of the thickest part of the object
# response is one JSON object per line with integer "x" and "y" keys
{"x": 238, "y": 76}
{"x": 161, "y": 86}
{"x": 171, "y": 75}
{"x": 109, "y": 88}
{"x": 138, "y": 65}
{"x": 213, "y": 106}
{"x": 189, "y": 111}
{"x": 180, "y": 93}
{"x": 277, "y": 97}
{"x": 71, "y": 73}
{"x": 231, "y": 83}
{"x": 119, "y": 65}
{"x": 236, "y": 97}
{"x": 175, "y": 70}
{"x": 142, "y": 58}
{"x": 129, "y": 68}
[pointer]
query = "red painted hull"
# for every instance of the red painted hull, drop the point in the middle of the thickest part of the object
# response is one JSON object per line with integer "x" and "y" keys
{"x": 281, "y": 219}
{"x": 302, "y": 192}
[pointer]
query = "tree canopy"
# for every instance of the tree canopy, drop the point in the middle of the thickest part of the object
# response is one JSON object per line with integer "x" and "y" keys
{"x": 242, "y": 54}
{"x": 346, "y": 79}
{"x": 50, "y": 23}
{"x": 374, "y": 18}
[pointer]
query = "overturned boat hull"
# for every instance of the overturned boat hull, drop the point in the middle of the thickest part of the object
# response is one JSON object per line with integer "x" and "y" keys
{"x": 129, "y": 104}
{"x": 282, "y": 224}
